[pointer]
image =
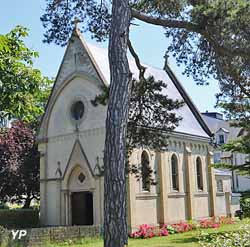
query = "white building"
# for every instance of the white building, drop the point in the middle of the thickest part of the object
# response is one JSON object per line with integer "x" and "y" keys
{"x": 224, "y": 133}
{"x": 71, "y": 143}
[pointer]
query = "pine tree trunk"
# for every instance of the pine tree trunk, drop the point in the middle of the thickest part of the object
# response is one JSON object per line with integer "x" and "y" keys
{"x": 115, "y": 218}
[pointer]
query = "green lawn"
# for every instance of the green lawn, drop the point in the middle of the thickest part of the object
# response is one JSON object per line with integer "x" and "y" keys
{"x": 188, "y": 239}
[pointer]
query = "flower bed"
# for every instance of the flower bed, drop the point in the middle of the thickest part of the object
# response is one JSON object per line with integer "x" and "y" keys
{"x": 148, "y": 231}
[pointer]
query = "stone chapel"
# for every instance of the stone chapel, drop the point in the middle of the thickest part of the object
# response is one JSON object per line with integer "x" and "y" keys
{"x": 71, "y": 144}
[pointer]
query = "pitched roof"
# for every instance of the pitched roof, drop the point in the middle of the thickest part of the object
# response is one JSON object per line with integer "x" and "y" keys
{"x": 216, "y": 124}
{"x": 192, "y": 123}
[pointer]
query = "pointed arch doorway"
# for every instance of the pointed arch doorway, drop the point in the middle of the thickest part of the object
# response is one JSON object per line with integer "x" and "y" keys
{"x": 82, "y": 208}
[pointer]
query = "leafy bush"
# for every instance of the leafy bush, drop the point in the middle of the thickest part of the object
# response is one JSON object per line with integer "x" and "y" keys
{"x": 245, "y": 206}
{"x": 170, "y": 229}
{"x": 3, "y": 206}
{"x": 240, "y": 238}
{"x": 145, "y": 231}
{"x": 182, "y": 227}
{"x": 19, "y": 218}
{"x": 3, "y": 236}
{"x": 209, "y": 223}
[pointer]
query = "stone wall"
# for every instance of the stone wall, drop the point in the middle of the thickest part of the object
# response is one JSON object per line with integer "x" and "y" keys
{"x": 41, "y": 236}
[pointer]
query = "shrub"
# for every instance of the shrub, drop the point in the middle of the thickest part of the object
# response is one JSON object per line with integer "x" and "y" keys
{"x": 165, "y": 230}
{"x": 245, "y": 206}
{"x": 170, "y": 229}
{"x": 19, "y": 218}
{"x": 209, "y": 223}
{"x": 145, "y": 231}
{"x": 182, "y": 227}
{"x": 3, "y": 236}
{"x": 3, "y": 206}
{"x": 226, "y": 220}
{"x": 240, "y": 238}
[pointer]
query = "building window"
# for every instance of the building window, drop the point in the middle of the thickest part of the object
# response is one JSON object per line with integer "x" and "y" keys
{"x": 221, "y": 139}
{"x": 219, "y": 184}
{"x": 146, "y": 171}
{"x": 199, "y": 173}
{"x": 77, "y": 110}
{"x": 174, "y": 170}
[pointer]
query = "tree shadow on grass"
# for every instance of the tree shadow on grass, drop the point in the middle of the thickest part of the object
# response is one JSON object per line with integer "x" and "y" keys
{"x": 185, "y": 240}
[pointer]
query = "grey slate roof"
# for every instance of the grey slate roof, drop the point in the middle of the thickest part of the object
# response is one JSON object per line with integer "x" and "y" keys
{"x": 215, "y": 124}
{"x": 190, "y": 123}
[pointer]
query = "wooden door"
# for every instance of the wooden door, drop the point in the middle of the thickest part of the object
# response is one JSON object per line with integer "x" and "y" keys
{"x": 82, "y": 208}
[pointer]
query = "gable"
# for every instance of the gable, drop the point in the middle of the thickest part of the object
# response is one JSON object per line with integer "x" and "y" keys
{"x": 77, "y": 62}
{"x": 92, "y": 62}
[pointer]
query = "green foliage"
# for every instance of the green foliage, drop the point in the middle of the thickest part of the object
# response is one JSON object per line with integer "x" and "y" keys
{"x": 3, "y": 206}
{"x": 227, "y": 239}
{"x": 171, "y": 229}
{"x": 240, "y": 145}
{"x": 151, "y": 118}
{"x": 3, "y": 236}
{"x": 23, "y": 89}
{"x": 151, "y": 115}
{"x": 211, "y": 38}
{"x": 19, "y": 218}
{"x": 245, "y": 206}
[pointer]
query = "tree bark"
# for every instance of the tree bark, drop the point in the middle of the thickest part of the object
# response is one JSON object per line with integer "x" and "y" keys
{"x": 115, "y": 218}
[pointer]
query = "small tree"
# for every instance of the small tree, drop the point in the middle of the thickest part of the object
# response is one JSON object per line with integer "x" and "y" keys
{"x": 23, "y": 89}
{"x": 24, "y": 93}
{"x": 19, "y": 164}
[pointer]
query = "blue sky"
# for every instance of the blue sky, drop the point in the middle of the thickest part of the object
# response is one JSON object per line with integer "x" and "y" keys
{"x": 148, "y": 40}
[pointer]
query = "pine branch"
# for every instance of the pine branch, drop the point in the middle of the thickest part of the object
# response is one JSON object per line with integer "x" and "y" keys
{"x": 192, "y": 27}
{"x": 140, "y": 67}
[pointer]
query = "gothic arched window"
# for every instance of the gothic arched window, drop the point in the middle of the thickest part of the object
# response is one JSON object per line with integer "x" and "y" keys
{"x": 199, "y": 173}
{"x": 145, "y": 169}
{"x": 174, "y": 172}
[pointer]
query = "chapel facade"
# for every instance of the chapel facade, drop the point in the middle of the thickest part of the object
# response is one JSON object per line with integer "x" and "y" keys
{"x": 71, "y": 144}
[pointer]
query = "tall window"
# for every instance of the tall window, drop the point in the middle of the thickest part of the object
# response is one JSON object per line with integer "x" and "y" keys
{"x": 221, "y": 139}
{"x": 145, "y": 171}
{"x": 199, "y": 173}
{"x": 174, "y": 170}
{"x": 219, "y": 184}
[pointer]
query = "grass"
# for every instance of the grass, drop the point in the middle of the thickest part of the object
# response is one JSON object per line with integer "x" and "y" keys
{"x": 187, "y": 239}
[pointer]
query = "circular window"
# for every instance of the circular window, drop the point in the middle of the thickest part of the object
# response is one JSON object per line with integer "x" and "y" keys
{"x": 77, "y": 110}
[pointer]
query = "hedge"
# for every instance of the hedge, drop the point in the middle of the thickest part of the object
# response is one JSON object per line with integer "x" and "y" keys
{"x": 245, "y": 206}
{"x": 19, "y": 218}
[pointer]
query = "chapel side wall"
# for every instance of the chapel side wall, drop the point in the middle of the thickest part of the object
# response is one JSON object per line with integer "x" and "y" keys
{"x": 150, "y": 207}
{"x": 146, "y": 203}
{"x": 201, "y": 208}
{"x": 53, "y": 206}
{"x": 221, "y": 202}
{"x": 146, "y": 209}
{"x": 177, "y": 209}
{"x": 201, "y": 197}
{"x": 177, "y": 204}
